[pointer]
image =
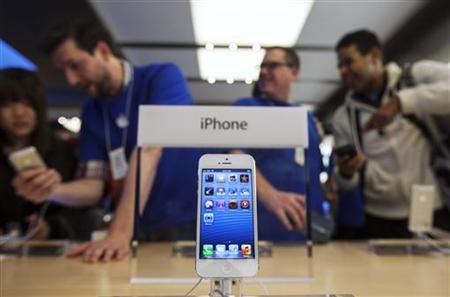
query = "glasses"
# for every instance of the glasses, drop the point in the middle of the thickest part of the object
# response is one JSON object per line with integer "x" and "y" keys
{"x": 273, "y": 65}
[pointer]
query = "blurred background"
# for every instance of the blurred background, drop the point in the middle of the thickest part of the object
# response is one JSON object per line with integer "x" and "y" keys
{"x": 219, "y": 44}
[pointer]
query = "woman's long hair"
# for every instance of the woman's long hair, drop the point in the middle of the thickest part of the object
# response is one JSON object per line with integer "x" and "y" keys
{"x": 20, "y": 85}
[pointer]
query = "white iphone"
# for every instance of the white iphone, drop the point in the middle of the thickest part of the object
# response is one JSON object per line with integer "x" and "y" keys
{"x": 27, "y": 158}
{"x": 227, "y": 236}
{"x": 421, "y": 208}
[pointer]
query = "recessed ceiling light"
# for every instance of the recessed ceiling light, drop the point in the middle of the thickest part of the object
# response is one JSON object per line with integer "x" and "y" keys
{"x": 209, "y": 46}
{"x": 256, "y": 47}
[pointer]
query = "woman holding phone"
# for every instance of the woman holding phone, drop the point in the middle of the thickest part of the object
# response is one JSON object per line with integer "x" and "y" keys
{"x": 23, "y": 123}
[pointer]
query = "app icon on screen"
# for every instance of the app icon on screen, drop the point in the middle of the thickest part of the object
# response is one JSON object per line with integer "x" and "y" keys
{"x": 209, "y": 191}
{"x": 244, "y": 178}
{"x": 208, "y": 250}
{"x": 232, "y": 204}
{"x": 232, "y": 191}
{"x": 209, "y": 178}
{"x": 221, "y": 178}
{"x": 220, "y": 191}
{"x": 246, "y": 249}
{"x": 232, "y": 178}
{"x": 245, "y": 191}
{"x": 221, "y": 205}
{"x": 220, "y": 249}
{"x": 209, "y": 204}
{"x": 245, "y": 204}
{"x": 208, "y": 218}
{"x": 233, "y": 249}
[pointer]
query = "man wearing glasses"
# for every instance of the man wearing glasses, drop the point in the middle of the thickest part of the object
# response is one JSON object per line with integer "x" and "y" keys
{"x": 280, "y": 179}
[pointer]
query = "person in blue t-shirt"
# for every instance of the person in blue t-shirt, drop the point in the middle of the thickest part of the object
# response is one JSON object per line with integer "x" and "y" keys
{"x": 90, "y": 60}
{"x": 281, "y": 185}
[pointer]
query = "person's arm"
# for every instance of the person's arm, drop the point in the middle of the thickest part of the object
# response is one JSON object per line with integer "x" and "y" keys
{"x": 287, "y": 206}
{"x": 116, "y": 244}
{"x": 81, "y": 192}
{"x": 431, "y": 92}
{"x": 44, "y": 184}
{"x": 429, "y": 95}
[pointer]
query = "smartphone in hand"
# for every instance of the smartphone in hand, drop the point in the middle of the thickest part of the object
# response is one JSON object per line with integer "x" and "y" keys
{"x": 27, "y": 158}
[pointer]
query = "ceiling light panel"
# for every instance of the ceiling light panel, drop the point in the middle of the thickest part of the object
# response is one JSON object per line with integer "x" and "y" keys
{"x": 224, "y": 64}
{"x": 248, "y": 22}
{"x": 237, "y": 23}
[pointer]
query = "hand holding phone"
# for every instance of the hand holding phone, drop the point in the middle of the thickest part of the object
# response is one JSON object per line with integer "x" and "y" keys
{"x": 27, "y": 158}
{"x": 34, "y": 181}
{"x": 227, "y": 241}
{"x": 36, "y": 185}
{"x": 349, "y": 160}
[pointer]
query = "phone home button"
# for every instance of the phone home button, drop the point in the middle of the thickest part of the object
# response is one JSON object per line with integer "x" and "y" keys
{"x": 226, "y": 268}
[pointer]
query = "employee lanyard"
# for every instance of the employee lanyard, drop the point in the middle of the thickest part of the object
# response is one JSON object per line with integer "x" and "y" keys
{"x": 122, "y": 121}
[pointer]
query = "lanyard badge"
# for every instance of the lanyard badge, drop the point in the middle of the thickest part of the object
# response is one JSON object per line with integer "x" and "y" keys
{"x": 117, "y": 157}
{"x": 118, "y": 163}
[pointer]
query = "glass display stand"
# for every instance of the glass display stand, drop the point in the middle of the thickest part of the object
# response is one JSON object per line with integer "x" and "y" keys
{"x": 421, "y": 246}
{"x": 174, "y": 263}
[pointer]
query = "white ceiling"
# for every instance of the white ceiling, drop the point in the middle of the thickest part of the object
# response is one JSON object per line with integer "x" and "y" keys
{"x": 170, "y": 22}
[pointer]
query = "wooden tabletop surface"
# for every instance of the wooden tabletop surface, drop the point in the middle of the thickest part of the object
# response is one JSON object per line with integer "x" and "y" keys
{"x": 338, "y": 267}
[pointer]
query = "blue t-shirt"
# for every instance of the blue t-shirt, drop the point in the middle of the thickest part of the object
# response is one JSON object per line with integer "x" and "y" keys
{"x": 172, "y": 199}
{"x": 278, "y": 166}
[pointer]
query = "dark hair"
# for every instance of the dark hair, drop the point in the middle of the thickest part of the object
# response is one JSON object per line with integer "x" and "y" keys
{"x": 20, "y": 85}
{"x": 291, "y": 55}
{"x": 86, "y": 35}
{"x": 364, "y": 40}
